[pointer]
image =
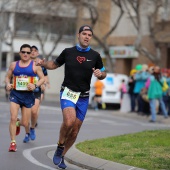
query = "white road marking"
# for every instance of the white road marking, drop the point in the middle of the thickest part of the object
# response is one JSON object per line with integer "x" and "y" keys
{"x": 27, "y": 154}
{"x": 131, "y": 168}
{"x": 114, "y": 123}
{"x": 50, "y": 108}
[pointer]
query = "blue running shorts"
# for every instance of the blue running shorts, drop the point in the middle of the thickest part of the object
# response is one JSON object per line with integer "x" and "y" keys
{"x": 81, "y": 106}
{"x": 37, "y": 95}
{"x": 23, "y": 98}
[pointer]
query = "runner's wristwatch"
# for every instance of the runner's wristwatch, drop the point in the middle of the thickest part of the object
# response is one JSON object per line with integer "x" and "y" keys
{"x": 36, "y": 86}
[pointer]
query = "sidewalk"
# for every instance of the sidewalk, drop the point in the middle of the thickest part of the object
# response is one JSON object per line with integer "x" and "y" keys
{"x": 143, "y": 118}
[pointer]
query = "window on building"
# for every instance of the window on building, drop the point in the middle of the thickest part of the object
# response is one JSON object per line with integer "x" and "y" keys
{"x": 30, "y": 23}
{"x": 16, "y": 57}
{"x": 4, "y": 60}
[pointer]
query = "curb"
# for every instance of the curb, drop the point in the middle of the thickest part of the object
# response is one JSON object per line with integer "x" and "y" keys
{"x": 83, "y": 160}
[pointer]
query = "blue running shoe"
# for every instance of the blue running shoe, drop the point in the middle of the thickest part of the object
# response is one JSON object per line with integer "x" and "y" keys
{"x": 62, "y": 165}
{"x": 57, "y": 158}
{"x": 27, "y": 138}
{"x": 32, "y": 134}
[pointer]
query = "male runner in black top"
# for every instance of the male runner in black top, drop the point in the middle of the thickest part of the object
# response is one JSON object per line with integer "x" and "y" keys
{"x": 80, "y": 63}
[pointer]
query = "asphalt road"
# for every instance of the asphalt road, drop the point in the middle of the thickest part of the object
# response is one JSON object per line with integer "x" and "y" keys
{"x": 34, "y": 155}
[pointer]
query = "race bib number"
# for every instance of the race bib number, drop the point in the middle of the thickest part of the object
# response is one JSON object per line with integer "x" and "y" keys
{"x": 21, "y": 82}
{"x": 70, "y": 95}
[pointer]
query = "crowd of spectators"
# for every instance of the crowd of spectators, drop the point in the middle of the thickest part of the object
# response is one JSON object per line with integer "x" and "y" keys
{"x": 149, "y": 90}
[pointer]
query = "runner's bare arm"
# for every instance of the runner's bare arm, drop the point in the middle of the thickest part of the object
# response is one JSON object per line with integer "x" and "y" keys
{"x": 46, "y": 83}
{"x": 38, "y": 71}
{"x": 97, "y": 73}
{"x": 8, "y": 76}
{"x": 50, "y": 65}
{"x": 40, "y": 75}
{"x": 102, "y": 76}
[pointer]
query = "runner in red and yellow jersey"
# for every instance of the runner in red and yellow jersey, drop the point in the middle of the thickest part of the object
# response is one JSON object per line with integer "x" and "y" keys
{"x": 23, "y": 72}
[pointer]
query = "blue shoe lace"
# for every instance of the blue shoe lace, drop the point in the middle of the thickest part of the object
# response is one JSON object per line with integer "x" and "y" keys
{"x": 26, "y": 139}
{"x": 57, "y": 158}
{"x": 62, "y": 165}
{"x": 32, "y": 134}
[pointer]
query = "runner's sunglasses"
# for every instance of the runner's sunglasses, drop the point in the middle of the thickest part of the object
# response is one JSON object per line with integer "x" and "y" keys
{"x": 23, "y": 52}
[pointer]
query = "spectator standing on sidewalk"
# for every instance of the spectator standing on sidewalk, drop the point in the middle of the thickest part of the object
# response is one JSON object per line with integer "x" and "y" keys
{"x": 140, "y": 79}
{"x": 168, "y": 93}
{"x": 80, "y": 63}
{"x": 131, "y": 84}
{"x": 99, "y": 86}
{"x": 166, "y": 97}
{"x": 155, "y": 93}
{"x": 24, "y": 72}
{"x": 122, "y": 89}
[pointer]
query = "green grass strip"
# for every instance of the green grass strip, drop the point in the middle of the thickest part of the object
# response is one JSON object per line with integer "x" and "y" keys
{"x": 148, "y": 149}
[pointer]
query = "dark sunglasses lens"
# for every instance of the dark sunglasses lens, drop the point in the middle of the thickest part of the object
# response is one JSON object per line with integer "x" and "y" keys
{"x": 23, "y": 52}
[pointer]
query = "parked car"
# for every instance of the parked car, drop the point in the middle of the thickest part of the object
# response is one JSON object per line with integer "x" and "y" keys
{"x": 111, "y": 92}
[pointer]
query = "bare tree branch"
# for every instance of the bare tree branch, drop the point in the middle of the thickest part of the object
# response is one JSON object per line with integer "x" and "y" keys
{"x": 135, "y": 9}
{"x": 152, "y": 25}
{"x": 118, "y": 3}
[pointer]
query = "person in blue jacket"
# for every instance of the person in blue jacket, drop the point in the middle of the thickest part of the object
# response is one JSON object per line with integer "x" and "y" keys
{"x": 140, "y": 79}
